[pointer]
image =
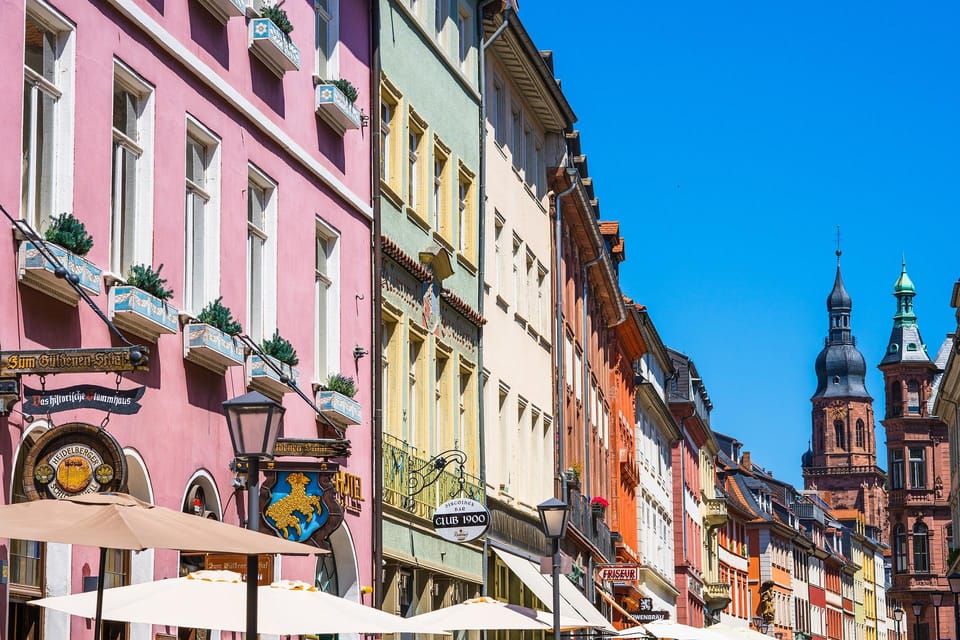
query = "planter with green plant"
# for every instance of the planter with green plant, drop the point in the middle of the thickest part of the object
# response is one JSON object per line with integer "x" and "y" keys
{"x": 262, "y": 377}
{"x": 336, "y": 403}
{"x": 336, "y": 104}
{"x": 210, "y": 341}
{"x": 68, "y": 241}
{"x": 270, "y": 39}
{"x": 140, "y": 306}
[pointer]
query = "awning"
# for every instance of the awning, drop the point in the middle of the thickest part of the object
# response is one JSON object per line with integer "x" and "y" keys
{"x": 616, "y": 605}
{"x": 573, "y": 604}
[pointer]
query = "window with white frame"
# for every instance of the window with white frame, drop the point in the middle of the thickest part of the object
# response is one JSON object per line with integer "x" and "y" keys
{"x": 537, "y": 169}
{"x": 261, "y": 260}
{"x": 517, "y": 272}
{"x": 528, "y": 154}
{"x": 543, "y": 302}
{"x": 441, "y": 189}
{"x": 414, "y": 164}
{"x": 47, "y": 145}
{"x": 464, "y": 35}
{"x": 327, "y": 35}
{"x": 498, "y": 253}
{"x": 516, "y": 131}
{"x": 131, "y": 222}
{"x": 326, "y": 303}
{"x": 530, "y": 289}
{"x": 201, "y": 218}
{"x": 497, "y": 110}
{"x": 440, "y": 15}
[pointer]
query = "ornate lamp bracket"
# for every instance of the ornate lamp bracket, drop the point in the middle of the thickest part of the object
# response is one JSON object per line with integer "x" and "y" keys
{"x": 428, "y": 473}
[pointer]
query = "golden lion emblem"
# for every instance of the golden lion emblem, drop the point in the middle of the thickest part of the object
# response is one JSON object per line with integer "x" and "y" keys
{"x": 283, "y": 511}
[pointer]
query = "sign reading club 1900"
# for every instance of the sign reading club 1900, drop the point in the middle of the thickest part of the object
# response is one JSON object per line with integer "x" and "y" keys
{"x": 461, "y": 520}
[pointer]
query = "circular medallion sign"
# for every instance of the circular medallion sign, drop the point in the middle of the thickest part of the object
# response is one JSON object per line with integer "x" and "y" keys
{"x": 461, "y": 520}
{"x": 74, "y": 459}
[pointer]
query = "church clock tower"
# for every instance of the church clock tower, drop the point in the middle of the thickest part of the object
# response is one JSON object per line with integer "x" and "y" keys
{"x": 842, "y": 460}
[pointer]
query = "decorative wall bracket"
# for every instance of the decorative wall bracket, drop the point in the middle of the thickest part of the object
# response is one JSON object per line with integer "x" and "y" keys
{"x": 426, "y": 474}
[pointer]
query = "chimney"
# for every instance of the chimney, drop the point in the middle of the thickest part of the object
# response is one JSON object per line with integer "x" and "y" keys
{"x": 745, "y": 461}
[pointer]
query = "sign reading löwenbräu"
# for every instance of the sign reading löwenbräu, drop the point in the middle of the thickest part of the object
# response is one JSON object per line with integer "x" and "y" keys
{"x": 83, "y": 396}
{"x": 461, "y": 520}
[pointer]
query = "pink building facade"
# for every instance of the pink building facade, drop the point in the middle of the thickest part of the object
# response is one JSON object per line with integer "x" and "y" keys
{"x": 157, "y": 124}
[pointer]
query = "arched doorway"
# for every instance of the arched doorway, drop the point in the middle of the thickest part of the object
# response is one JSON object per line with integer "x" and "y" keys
{"x": 202, "y": 499}
{"x": 338, "y": 572}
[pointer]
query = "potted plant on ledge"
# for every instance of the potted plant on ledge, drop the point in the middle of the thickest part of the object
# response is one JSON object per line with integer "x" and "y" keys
{"x": 140, "y": 304}
{"x": 599, "y": 506}
{"x": 262, "y": 377}
{"x": 67, "y": 239}
{"x": 336, "y": 104}
{"x": 270, "y": 39}
{"x": 210, "y": 340}
{"x": 572, "y": 476}
{"x": 336, "y": 403}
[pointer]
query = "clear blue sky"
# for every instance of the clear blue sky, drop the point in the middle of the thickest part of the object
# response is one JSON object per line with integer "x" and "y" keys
{"x": 730, "y": 139}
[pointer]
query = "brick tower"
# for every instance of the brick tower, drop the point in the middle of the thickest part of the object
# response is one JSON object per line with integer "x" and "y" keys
{"x": 842, "y": 460}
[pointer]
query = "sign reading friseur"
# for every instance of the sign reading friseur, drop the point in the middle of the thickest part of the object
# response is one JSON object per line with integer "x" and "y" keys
{"x": 461, "y": 520}
{"x": 73, "y": 459}
{"x": 114, "y": 359}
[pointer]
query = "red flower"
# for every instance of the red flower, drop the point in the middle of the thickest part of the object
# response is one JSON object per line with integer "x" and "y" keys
{"x": 599, "y": 502}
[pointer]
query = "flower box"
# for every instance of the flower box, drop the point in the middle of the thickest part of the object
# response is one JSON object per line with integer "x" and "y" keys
{"x": 337, "y": 109}
{"x": 273, "y": 46}
{"x": 37, "y": 272}
{"x": 209, "y": 347}
{"x": 338, "y": 408}
{"x": 264, "y": 379}
{"x": 140, "y": 313}
{"x": 225, "y": 9}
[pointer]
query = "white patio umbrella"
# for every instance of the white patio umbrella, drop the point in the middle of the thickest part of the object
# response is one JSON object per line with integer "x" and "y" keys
{"x": 738, "y": 633}
{"x": 667, "y": 629}
{"x": 490, "y": 614}
{"x": 217, "y": 600}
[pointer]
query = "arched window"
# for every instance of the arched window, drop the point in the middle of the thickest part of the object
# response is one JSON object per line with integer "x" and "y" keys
{"x": 899, "y": 549}
{"x": 839, "y": 435}
{"x": 896, "y": 399}
{"x": 921, "y": 548}
{"x": 913, "y": 397}
{"x": 860, "y": 434}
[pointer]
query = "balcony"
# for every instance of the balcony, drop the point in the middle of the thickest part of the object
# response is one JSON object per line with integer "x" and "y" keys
{"x": 912, "y": 497}
{"x": 716, "y": 595}
{"x": 716, "y": 512}
{"x": 273, "y": 46}
{"x": 337, "y": 109}
{"x": 595, "y": 530}
{"x": 398, "y": 460}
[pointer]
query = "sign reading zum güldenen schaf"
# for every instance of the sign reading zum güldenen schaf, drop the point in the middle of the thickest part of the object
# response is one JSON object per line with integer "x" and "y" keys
{"x": 461, "y": 520}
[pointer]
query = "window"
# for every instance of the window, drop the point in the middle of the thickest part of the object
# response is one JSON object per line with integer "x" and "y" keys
{"x": 896, "y": 399}
{"x": 466, "y": 243}
{"x": 261, "y": 226}
{"x": 441, "y": 189}
{"x": 838, "y": 434}
{"x": 326, "y": 303}
{"x": 516, "y": 131}
{"x": 130, "y": 233}
{"x": 116, "y": 574}
{"x": 896, "y": 469}
{"x": 528, "y": 155}
{"x": 201, "y": 218}
{"x": 543, "y": 301}
{"x": 517, "y": 272}
{"x": 390, "y": 382}
{"x": 464, "y": 35}
{"x": 860, "y": 434}
{"x": 390, "y": 137}
{"x": 441, "y": 13}
{"x": 328, "y": 33}
{"x": 47, "y": 145}
{"x": 414, "y": 402}
{"x": 537, "y": 170}
{"x": 499, "y": 259}
{"x": 441, "y": 397}
{"x": 497, "y": 111}
{"x": 414, "y": 165}
{"x": 921, "y": 551}
{"x": 913, "y": 397}
{"x": 918, "y": 468}
{"x": 467, "y": 425}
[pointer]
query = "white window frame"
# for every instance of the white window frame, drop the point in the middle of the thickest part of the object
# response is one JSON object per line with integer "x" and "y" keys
{"x": 441, "y": 16}
{"x": 465, "y": 38}
{"x": 268, "y": 274}
{"x": 210, "y": 192}
{"x": 142, "y": 250}
{"x": 498, "y": 107}
{"x": 58, "y": 185}
{"x": 327, "y": 63}
{"x": 327, "y": 360}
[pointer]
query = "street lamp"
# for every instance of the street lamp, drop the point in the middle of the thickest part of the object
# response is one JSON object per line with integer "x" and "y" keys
{"x": 897, "y": 617}
{"x": 254, "y": 421}
{"x": 917, "y": 610}
{"x": 954, "y": 580}
{"x": 553, "y": 521}
{"x": 761, "y": 624}
{"x": 936, "y": 599}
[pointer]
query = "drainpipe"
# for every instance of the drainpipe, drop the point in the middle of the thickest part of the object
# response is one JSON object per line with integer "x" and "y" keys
{"x": 558, "y": 341}
{"x": 376, "y": 302}
{"x": 585, "y": 294}
{"x": 481, "y": 271}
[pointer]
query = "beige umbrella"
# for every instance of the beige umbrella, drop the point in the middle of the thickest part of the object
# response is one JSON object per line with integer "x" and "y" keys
{"x": 487, "y": 613}
{"x": 217, "y": 600}
{"x": 667, "y": 629}
{"x": 120, "y": 521}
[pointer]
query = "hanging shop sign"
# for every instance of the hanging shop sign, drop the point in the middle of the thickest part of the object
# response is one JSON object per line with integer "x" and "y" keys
{"x": 83, "y": 396}
{"x": 238, "y": 564}
{"x": 349, "y": 490}
{"x": 649, "y": 616}
{"x": 110, "y": 360}
{"x": 300, "y": 503}
{"x": 74, "y": 459}
{"x": 461, "y": 520}
{"x": 618, "y": 573}
{"x": 312, "y": 448}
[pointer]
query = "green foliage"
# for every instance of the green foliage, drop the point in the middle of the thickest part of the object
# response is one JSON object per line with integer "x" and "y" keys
{"x": 347, "y": 88}
{"x": 217, "y": 315}
{"x": 341, "y": 384}
{"x": 278, "y": 16}
{"x": 68, "y": 232}
{"x": 143, "y": 277}
{"x": 280, "y": 348}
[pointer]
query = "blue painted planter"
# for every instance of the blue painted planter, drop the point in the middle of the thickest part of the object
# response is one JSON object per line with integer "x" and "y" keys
{"x": 339, "y": 408}
{"x": 264, "y": 379}
{"x": 336, "y": 108}
{"x": 211, "y": 348}
{"x": 273, "y": 46}
{"x": 37, "y": 272}
{"x": 138, "y": 312}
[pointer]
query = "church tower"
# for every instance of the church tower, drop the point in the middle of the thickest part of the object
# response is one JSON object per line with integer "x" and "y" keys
{"x": 842, "y": 460}
{"x": 918, "y": 456}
